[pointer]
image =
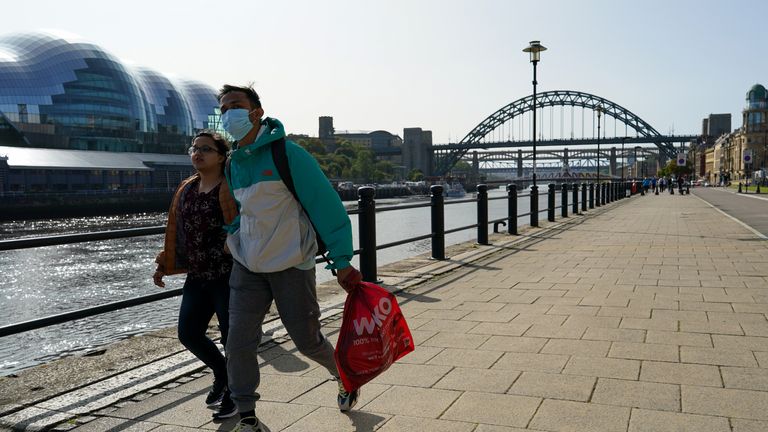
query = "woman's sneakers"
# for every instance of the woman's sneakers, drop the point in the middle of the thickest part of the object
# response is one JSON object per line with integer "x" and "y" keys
{"x": 347, "y": 400}
{"x": 227, "y": 408}
{"x": 217, "y": 392}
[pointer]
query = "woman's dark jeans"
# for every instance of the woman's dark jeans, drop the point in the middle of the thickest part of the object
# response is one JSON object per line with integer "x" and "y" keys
{"x": 200, "y": 300}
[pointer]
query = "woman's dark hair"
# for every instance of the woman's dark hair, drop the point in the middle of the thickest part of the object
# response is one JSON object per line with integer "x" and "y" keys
{"x": 222, "y": 145}
{"x": 253, "y": 97}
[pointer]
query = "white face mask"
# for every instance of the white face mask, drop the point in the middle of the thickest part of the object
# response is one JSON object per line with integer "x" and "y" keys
{"x": 237, "y": 123}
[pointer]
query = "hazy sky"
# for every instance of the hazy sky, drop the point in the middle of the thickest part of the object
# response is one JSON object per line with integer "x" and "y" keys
{"x": 440, "y": 65}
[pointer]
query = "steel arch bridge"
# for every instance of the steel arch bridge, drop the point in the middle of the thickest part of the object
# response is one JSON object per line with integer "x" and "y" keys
{"x": 444, "y": 160}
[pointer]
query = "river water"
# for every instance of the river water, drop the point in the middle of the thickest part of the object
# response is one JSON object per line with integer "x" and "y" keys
{"x": 50, "y": 280}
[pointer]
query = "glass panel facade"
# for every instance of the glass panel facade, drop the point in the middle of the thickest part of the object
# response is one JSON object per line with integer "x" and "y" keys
{"x": 56, "y": 93}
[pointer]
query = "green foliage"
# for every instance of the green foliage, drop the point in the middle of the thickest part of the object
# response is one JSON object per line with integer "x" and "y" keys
{"x": 672, "y": 169}
{"x": 349, "y": 162}
{"x": 312, "y": 145}
{"x": 415, "y": 175}
{"x": 462, "y": 166}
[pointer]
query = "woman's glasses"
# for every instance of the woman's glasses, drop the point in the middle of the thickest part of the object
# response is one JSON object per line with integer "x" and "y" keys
{"x": 203, "y": 149}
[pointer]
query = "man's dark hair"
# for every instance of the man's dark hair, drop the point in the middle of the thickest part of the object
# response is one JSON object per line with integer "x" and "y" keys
{"x": 248, "y": 90}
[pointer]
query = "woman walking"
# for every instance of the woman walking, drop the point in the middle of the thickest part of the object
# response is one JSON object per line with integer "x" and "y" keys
{"x": 195, "y": 245}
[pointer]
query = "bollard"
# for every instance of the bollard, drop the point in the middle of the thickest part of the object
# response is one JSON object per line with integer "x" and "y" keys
{"x": 603, "y": 194}
{"x": 534, "y": 206}
{"x": 688, "y": 189}
{"x": 583, "y": 197}
{"x": 438, "y": 222}
{"x": 739, "y": 187}
{"x": 564, "y": 200}
{"x": 591, "y": 195}
{"x": 758, "y": 188}
{"x": 367, "y": 231}
{"x": 512, "y": 209}
{"x": 482, "y": 214}
{"x": 551, "y": 202}
{"x": 575, "y": 188}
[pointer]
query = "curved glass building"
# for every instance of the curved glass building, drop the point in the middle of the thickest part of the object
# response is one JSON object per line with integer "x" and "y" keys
{"x": 65, "y": 94}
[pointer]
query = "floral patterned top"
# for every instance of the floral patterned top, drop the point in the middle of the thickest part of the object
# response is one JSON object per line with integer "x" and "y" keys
{"x": 202, "y": 221}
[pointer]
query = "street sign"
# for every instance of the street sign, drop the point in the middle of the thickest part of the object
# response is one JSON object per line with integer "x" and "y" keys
{"x": 747, "y": 156}
{"x": 681, "y": 159}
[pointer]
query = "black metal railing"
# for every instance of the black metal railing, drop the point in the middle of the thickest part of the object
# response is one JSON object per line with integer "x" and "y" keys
{"x": 366, "y": 212}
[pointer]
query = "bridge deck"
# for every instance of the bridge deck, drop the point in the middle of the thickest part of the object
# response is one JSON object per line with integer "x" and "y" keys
{"x": 647, "y": 314}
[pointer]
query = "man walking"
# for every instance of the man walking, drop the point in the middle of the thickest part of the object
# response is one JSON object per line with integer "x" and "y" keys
{"x": 273, "y": 242}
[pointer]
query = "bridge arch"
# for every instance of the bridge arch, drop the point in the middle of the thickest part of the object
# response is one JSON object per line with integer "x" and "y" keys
{"x": 446, "y": 161}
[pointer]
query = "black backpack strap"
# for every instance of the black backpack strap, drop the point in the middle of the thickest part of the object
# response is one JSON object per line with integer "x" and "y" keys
{"x": 280, "y": 158}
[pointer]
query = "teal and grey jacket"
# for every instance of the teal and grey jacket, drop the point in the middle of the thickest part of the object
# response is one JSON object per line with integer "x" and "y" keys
{"x": 271, "y": 232}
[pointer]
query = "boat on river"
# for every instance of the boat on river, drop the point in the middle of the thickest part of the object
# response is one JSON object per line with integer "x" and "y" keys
{"x": 455, "y": 190}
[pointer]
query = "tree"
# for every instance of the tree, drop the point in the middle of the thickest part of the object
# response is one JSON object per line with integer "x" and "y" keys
{"x": 313, "y": 145}
{"x": 673, "y": 169}
{"x": 462, "y": 166}
{"x": 415, "y": 175}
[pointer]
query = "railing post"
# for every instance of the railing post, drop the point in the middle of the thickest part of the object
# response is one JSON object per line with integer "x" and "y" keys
{"x": 534, "y": 206}
{"x": 438, "y": 222}
{"x": 575, "y": 189}
{"x": 597, "y": 195}
{"x": 482, "y": 214}
{"x": 583, "y": 197}
{"x": 609, "y": 196}
{"x": 603, "y": 189}
{"x": 591, "y": 195}
{"x": 367, "y": 230}
{"x": 512, "y": 209}
{"x": 564, "y": 200}
{"x": 551, "y": 203}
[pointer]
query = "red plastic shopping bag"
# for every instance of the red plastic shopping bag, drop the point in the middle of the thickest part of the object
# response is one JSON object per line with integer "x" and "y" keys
{"x": 373, "y": 335}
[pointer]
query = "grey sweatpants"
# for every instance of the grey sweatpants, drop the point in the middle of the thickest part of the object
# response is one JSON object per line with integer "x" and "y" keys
{"x": 250, "y": 297}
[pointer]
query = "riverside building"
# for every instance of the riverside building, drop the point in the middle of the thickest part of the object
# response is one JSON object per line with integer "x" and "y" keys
{"x": 722, "y": 156}
{"x": 72, "y": 96}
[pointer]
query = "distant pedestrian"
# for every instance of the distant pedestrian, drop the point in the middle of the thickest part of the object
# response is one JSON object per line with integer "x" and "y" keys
{"x": 274, "y": 244}
{"x": 655, "y": 186}
{"x": 195, "y": 245}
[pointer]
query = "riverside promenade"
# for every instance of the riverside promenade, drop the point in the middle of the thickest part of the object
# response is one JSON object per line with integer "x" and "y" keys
{"x": 647, "y": 314}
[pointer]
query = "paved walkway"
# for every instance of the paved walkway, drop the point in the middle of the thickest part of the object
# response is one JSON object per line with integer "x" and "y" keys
{"x": 647, "y": 315}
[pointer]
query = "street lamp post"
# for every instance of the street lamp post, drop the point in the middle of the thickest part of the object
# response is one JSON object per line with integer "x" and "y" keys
{"x": 534, "y": 49}
{"x": 622, "y": 167}
{"x": 599, "y": 109}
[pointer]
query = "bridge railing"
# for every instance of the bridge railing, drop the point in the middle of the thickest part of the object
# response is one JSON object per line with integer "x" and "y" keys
{"x": 366, "y": 212}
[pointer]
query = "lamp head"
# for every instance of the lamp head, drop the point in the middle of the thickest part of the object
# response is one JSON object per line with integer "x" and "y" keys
{"x": 534, "y": 49}
{"x": 600, "y": 110}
